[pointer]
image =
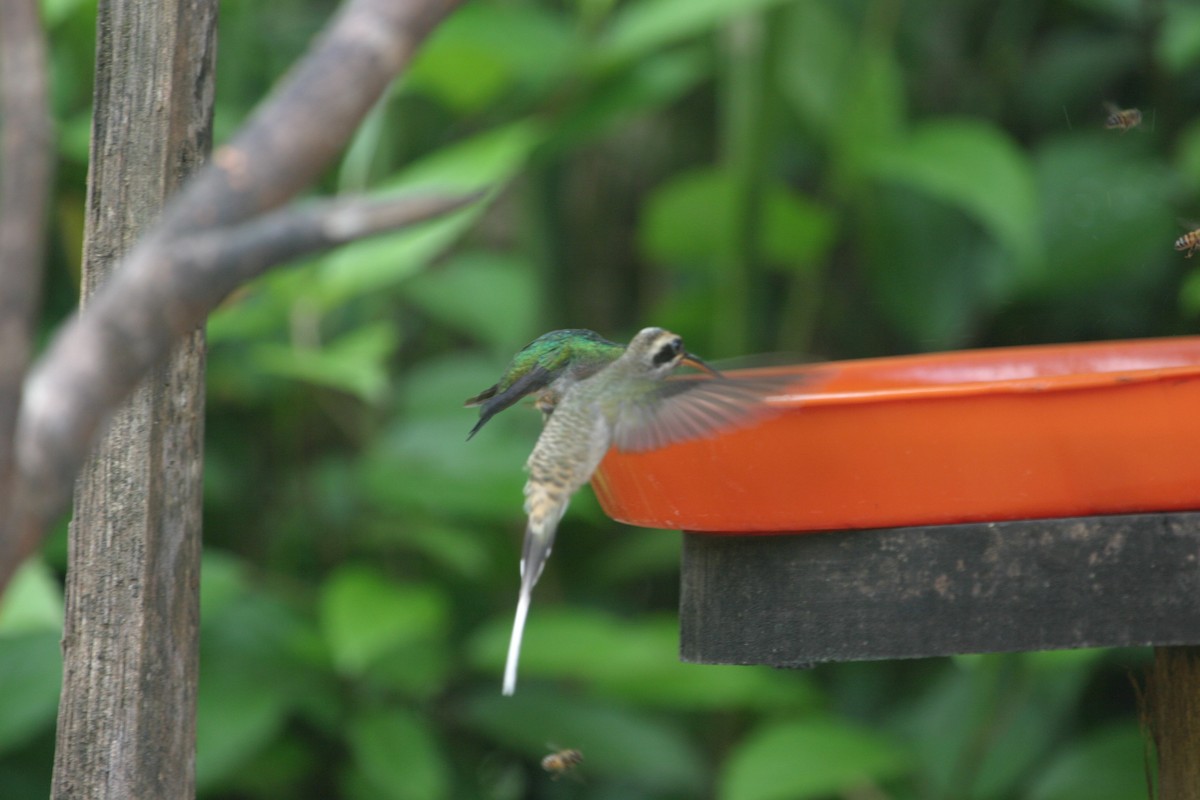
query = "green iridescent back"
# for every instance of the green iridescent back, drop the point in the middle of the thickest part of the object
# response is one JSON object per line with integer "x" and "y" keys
{"x": 545, "y": 368}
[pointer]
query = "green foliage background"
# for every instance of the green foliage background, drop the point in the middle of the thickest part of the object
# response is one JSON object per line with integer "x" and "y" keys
{"x": 832, "y": 178}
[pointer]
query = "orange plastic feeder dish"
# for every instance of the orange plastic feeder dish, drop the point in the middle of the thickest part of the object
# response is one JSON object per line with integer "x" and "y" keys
{"x": 1002, "y": 434}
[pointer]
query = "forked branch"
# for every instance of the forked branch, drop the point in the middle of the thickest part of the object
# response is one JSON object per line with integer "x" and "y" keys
{"x": 212, "y": 237}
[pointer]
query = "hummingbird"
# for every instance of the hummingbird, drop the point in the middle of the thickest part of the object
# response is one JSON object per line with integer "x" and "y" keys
{"x": 629, "y": 404}
{"x": 548, "y": 365}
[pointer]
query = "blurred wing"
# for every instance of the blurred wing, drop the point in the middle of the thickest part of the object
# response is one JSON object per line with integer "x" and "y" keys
{"x": 683, "y": 408}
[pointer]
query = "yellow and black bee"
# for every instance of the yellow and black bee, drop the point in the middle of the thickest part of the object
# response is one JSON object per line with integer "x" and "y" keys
{"x": 1121, "y": 119}
{"x": 562, "y": 762}
{"x": 1190, "y": 241}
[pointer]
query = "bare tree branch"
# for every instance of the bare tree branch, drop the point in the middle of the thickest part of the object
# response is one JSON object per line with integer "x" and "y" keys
{"x": 207, "y": 266}
{"x": 98, "y": 356}
{"x": 25, "y": 176}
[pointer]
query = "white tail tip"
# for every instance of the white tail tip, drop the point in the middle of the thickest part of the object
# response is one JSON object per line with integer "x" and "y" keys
{"x": 514, "y": 644}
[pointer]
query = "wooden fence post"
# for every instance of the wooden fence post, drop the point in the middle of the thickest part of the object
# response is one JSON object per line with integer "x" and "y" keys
{"x": 126, "y": 725}
{"x": 1172, "y": 710}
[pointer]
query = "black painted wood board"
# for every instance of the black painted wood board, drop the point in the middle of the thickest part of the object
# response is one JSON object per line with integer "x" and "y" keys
{"x": 798, "y": 599}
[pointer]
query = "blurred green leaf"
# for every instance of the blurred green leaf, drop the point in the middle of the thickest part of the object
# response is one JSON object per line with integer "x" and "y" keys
{"x": 809, "y": 758}
{"x": 648, "y": 85}
{"x": 238, "y": 713}
{"x": 1187, "y": 159}
{"x": 354, "y": 362}
{"x": 874, "y": 117}
{"x": 1106, "y": 764}
{"x": 223, "y": 580}
{"x": 973, "y": 166}
{"x": 690, "y": 220}
{"x": 363, "y": 150}
{"x": 489, "y": 295}
{"x": 33, "y": 600}
{"x": 259, "y": 662}
{"x": 1061, "y": 87}
{"x": 932, "y": 269}
{"x": 1105, "y": 212}
{"x": 635, "y": 661}
{"x": 429, "y": 466}
{"x": 1179, "y": 37}
{"x": 1189, "y": 293}
{"x": 487, "y": 161}
{"x": 30, "y": 677}
{"x": 634, "y": 558}
{"x": 1126, "y": 11}
{"x": 481, "y": 51}
{"x": 364, "y": 615}
{"x": 399, "y": 755}
{"x": 260, "y": 310}
{"x": 987, "y": 721}
{"x": 457, "y": 549}
{"x": 814, "y": 70}
{"x": 615, "y": 741}
{"x": 641, "y": 27}
{"x": 56, "y": 11}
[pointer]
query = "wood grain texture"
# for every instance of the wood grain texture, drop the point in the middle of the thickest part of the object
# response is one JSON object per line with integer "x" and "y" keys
{"x": 126, "y": 724}
{"x": 931, "y": 591}
{"x": 1171, "y": 712}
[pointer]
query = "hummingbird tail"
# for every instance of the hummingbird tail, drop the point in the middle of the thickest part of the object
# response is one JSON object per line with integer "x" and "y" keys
{"x": 539, "y": 539}
{"x": 482, "y": 419}
{"x": 514, "y": 644}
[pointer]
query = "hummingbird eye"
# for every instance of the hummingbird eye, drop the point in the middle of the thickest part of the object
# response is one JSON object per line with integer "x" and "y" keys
{"x": 668, "y": 351}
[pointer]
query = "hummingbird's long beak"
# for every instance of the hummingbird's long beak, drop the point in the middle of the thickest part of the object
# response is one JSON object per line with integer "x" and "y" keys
{"x": 698, "y": 363}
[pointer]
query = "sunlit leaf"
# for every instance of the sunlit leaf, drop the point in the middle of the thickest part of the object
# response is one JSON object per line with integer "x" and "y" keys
{"x": 355, "y": 362}
{"x": 482, "y": 50}
{"x": 1179, "y": 36}
{"x": 223, "y": 578}
{"x": 487, "y": 161}
{"x": 55, "y": 11}
{"x": 32, "y": 601}
{"x": 398, "y": 755}
{"x": 809, "y": 758}
{"x": 364, "y": 615}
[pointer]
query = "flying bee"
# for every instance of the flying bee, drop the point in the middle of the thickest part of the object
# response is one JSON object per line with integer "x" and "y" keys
{"x": 1190, "y": 241}
{"x": 1121, "y": 119}
{"x": 562, "y": 762}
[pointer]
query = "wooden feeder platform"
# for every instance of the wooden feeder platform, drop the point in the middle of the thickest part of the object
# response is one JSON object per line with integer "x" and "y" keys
{"x": 997, "y": 500}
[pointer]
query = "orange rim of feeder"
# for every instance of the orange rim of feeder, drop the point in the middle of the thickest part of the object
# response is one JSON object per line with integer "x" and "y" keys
{"x": 971, "y": 436}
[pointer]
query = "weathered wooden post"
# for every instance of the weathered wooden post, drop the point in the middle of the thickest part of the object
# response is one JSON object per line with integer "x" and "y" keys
{"x": 990, "y": 501}
{"x": 133, "y": 580}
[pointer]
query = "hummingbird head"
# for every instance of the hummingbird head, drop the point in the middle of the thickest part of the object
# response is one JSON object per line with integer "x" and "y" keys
{"x": 660, "y": 352}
